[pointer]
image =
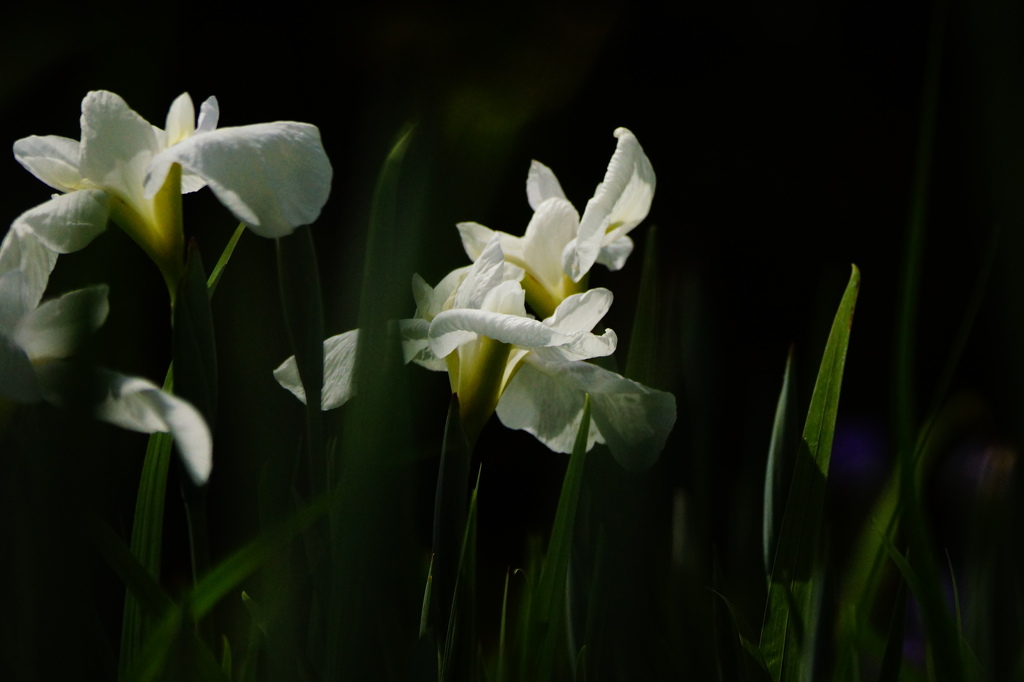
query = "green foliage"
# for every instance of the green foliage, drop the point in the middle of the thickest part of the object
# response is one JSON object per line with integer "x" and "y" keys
{"x": 788, "y": 635}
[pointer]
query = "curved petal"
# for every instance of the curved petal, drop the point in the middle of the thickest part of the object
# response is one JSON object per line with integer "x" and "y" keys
{"x": 541, "y": 185}
{"x": 138, "y": 405}
{"x": 18, "y": 380}
{"x": 486, "y": 273}
{"x": 452, "y": 328}
{"x": 117, "y": 146}
{"x": 52, "y": 159}
{"x": 581, "y": 312}
{"x": 620, "y": 202}
{"x": 583, "y": 346}
{"x": 67, "y": 222}
{"x": 57, "y": 327}
{"x": 272, "y": 176}
{"x": 613, "y": 256}
{"x": 23, "y": 253}
{"x": 339, "y": 372}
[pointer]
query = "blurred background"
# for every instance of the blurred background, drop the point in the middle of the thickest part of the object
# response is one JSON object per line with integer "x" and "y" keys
{"x": 785, "y": 138}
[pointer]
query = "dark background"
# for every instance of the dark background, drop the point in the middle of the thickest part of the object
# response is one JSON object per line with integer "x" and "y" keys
{"x": 784, "y": 137}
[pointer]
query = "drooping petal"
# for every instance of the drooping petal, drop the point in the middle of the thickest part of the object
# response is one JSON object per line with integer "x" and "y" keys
{"x": 620, "y": 202}
{"x": 18, "y": 380}
{"x": 68, "y": 222}
{"x": 339, "y": 372}
{"x": 138, "y": 405}
{"x": 23, "y": 253}
{"x": 52, "y": 159}
{"x": 635, "y": 420}
{"x": 57, "y": 327}
{"x": 543, "y": 404}
{"x": 117, "y": 147}
{"x": 613, "y": 256}
{"x": 541, "y": 185}
{"x": 272, "y": 176}
{"x": 546, "y": 399}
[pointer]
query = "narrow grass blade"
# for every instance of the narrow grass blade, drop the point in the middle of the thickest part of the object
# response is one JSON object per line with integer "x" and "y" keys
{"x": 904, "y": 399}
{"x": 229, "y": 574}
{"x": 892, "y": 656}
{"x": 147, "y": 538}
{"x": 869, "y": 557}
{"x": 301, "y": 302}
{"x": 373, "y": 527}
{"x": 548, "y": 610}
{"x": 426, "y": 661}
{"x": 779, "y": 471}
{"x": 459, "y": 656}
{"x": 195, "y": 352}
{"x": 222, "y": 262}
{"x": 141, "y": 585}
{"x": 288, "y": 657}
{"x": 450, "y": 511}
{"x": 642, "y": 362}
{"x": 226, "y": 664}
{"x": 791, "y": 589}
{"x": 502, "y": 671}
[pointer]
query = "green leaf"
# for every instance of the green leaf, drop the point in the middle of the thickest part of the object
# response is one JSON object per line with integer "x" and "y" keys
{"x": 450, "y": 511}
{"x": 425, "y": 656}
{"x": 503, "y": 672}
{"x": 778, "y": 474}
{"x": 745, "y": 651}
{"x": 892, "y": 657}
{"x": 642, "y": 362}
{"x": 287, "y": 655}
{"x": 147, "y": 537}
{"x": 225, "y": 659}
{"x": 425, "y": 610}
{"x": 301, "y": 301}
{"x": 222, "y": 262}
{"x": 790, "y": 608}
{"x": 460, "y": 641}
{"x": 141, "y": 585}
{"x": 548, "y": 610}
{"x": 229, "y": 574}
{"x": 195, "y": 351}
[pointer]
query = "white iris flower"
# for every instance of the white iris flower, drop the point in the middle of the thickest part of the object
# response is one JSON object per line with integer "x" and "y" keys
{"x": 272, "y": 176}
{"x": 559, "y": 247}
{"x": 474, "y": 325}
{"x": 35, "y": 336}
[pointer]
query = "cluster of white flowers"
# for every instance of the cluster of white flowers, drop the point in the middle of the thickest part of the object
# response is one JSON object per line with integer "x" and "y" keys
{"x": 533, "y": 372}
{"x": 273, "y": 177}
